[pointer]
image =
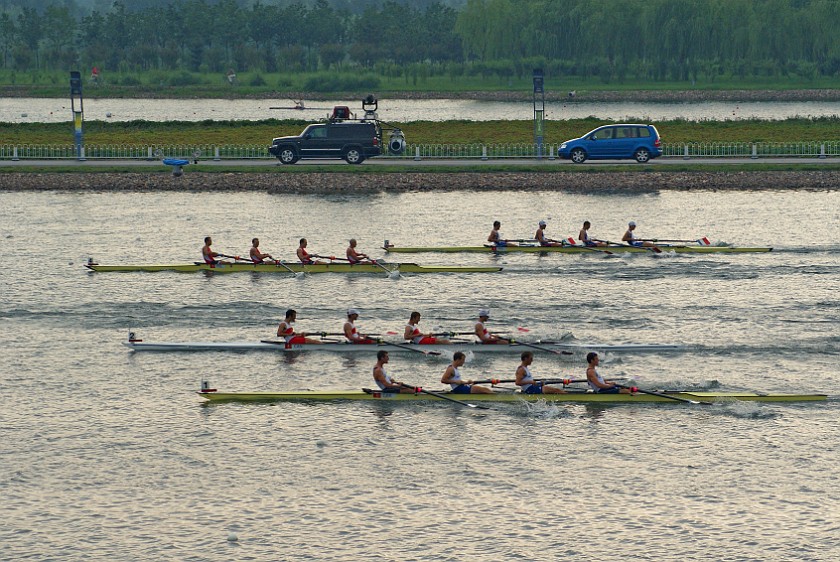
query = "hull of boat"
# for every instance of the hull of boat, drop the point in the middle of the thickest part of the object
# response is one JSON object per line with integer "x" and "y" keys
{"x": 290, "y": 268}
{"x": 572, "y": 397}
{"x": 443, "y": 350}
{"x": 572, "y": 249}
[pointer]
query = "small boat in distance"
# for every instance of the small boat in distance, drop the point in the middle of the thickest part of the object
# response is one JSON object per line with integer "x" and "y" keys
{"x": 577, "y": 249}
{"x": 295, "y": 267}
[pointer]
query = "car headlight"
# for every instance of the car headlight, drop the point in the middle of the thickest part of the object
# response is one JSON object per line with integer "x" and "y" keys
{"x": 563, "y": 145}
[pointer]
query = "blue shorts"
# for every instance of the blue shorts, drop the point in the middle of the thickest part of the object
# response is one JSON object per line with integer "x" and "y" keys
{"x": 461, "y": 389}
{"x": 612, "y": 390}
{"x": 588, "y": 243}
{"x": 636, "y": 243}
{"x": 500, "y": 243}
{"x": 534, "y": 388}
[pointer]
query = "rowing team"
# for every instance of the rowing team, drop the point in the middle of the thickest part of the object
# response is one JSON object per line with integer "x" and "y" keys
{"x": 412, "y": 331}
{"x": 584, "y": 237}
{"x": 258, "y": 256}
{"x": 525, "y": 380}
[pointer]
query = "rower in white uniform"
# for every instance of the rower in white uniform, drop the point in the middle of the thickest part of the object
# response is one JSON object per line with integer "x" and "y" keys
{"x": 286, "y": 331}
{"x": 382, "y": 379}
{"x": 540, "y": 236}
{"x": 495, "y": 237}
{"x": 481, "y": 331}
{"x": 350, "y": 331}
{"x": 597, "y": 382}
{"x": 525, "y": 380}
{"x": 632, "y": 240}
{"x": 452, "y": 377}
{"x": 413, "y": 334}
{"x": 585, "y": 239}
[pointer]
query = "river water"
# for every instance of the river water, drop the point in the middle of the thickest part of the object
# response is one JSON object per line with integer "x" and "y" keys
{"x": 109, "y": 455}
{"x": 46, "y": 110}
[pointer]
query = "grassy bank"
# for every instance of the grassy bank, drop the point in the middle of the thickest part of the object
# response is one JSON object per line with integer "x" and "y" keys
{"x": 323, "y": 85}
{"x": 450, "y": 132}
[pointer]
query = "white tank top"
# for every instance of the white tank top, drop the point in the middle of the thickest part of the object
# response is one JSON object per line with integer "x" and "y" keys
{"x": 528, "y": 379}
{"x": 483, "y": 329}
{"x": 632, "y": 237}
{"x": 600, "y": 380}
{"x": 387, "y": 378}
{"x": 415, "y": 333}
{"x": 456, "y": 377}
{"x": 286, "y": 330}
{"x": 353, "y": 333}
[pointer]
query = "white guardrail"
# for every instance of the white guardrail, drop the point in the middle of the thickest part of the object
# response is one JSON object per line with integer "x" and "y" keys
{"x": 413, "y": 151}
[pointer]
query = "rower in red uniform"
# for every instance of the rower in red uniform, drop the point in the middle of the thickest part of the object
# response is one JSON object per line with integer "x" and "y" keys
{"x": 481, "y": 331}
{"x": 256, "y": 255}
{"x": 414, "y": 335}
{"x": 208, "y": 254}
{"x": 350, "y": 332}
{"x": 304, "y": 256}
{"x": 354, "y": 256}
{"x": 286, "y": 330}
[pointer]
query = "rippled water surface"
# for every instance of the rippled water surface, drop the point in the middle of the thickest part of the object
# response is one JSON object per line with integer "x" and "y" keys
{"x": 46, "y": 110}
{"x": 110, "y": 455}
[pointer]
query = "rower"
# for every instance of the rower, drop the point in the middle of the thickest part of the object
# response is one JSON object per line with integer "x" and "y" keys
{"x": 584, "y": 237}
{"x": 256, "y": 255}
{"x": 354, "y": 256}
{"x": 481, "y": 331}
{"x": 413, "y": 334}
{"x": 382, "y": 379}
{"x": 632, "y": 240}
{"x": 525, "y": 381}
{"x": 597, "y": 382}
{"x": 495, "y": 237}
{"x": 208, "y": 254}
{"x": 286, "y": 330}
{"x": 540, "y": 236}
{"x": 304, "y": 256}
{"x": 452, "y": 377}
{"x": 350, "y": 331}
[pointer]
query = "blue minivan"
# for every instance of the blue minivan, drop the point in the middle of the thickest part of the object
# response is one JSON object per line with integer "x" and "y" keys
{"x": 612, "y": 142}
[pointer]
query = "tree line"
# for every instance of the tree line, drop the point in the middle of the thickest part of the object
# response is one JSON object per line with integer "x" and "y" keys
{"x": 614, "y": 40}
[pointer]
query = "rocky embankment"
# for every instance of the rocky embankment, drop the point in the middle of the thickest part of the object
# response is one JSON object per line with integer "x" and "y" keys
{"x": 643, "y": 181}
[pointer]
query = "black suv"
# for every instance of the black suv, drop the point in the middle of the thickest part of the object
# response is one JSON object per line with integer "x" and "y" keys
{"x": 352, "y": 140}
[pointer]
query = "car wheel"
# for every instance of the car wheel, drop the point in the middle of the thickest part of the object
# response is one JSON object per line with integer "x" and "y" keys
{"x": 578, "y": 156}
{"x": 642, "y": 155}
{"x": 287, "y": 155}
{"x": 353, "y": 156}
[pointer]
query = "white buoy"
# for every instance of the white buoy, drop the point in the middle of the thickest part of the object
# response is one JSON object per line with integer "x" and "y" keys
{"x": 108, "y": 115}
{"x": 232, "y": 537}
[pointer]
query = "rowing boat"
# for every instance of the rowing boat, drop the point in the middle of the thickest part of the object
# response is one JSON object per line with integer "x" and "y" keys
{"x": 225, "y": 267}
{"x": 443, "y": 350}
{"x": 573, "y": 396}
{"x": 532, "y": 248}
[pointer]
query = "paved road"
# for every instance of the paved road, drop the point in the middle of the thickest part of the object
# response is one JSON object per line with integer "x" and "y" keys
{"x": 390, "y": 162}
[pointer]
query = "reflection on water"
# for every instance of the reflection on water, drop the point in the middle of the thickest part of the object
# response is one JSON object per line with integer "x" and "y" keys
{"x": 56, "y": 110}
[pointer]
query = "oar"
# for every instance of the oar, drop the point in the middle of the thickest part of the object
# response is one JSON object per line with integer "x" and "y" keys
{"x": 408, "y": 347}
{"x": 443, "y": 396}
{"x": 668, "y": 396}
{"x": 703, "y": 241}
{"x": 289, "y": 269}
{"x": 585, "y": 247}
{"x": 652, "y": 249}
{"x": 547, "y": 381}
{"x": 541, "y": 348}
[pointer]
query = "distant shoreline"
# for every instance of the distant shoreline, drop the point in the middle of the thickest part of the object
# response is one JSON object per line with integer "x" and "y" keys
{"x": 338, "y": 182}
{"x": 581, "y": 95}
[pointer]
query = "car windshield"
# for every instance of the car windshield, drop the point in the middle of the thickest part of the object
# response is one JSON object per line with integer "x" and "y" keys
{"x": 315, "y": 131}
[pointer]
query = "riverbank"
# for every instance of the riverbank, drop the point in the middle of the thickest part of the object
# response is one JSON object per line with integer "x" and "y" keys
{"x": 395, "y": 182}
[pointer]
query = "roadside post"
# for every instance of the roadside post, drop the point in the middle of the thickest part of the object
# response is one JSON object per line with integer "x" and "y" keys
{"x": 539, "y": 111}
{"x": 78, "y": 114}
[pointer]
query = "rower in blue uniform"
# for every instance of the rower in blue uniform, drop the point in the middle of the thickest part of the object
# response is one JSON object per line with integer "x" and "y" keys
{"x": 382, "y": 379}
{"x": 597, "y": 382}
{"x": 452, "y": 377}
{"x": 525, "y": 380}
{"x": 632, "y": 240}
